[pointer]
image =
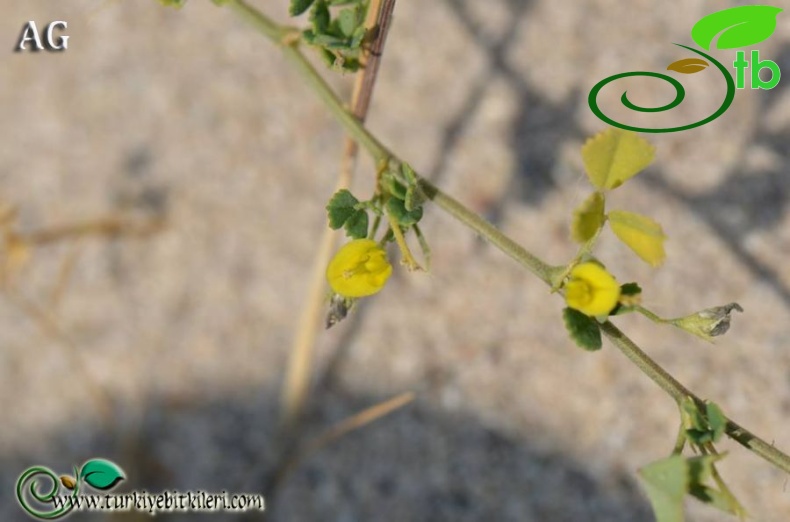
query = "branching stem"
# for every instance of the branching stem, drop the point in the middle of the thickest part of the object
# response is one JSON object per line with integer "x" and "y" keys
{"x": 542, "y": 270}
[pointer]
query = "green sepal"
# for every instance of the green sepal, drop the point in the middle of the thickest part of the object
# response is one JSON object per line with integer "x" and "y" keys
{"x": 584, "y": 330}
{"x": 298, "y": 7}
{"x": 630, "y": 289}
{"x": 340, "y": 208}
{"x": 405, "y": 218}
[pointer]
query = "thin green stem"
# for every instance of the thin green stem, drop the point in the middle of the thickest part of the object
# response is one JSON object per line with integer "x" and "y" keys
{"x": 650, "y": 315}
{"x": 488, "y": 231}
{"x": 542, "y": 270}
{"x": 288, "y": 40}
{"x": 680, "y": 440}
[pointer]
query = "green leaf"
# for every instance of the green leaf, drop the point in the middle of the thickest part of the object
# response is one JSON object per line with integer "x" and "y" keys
{"x": 716, "y": 420}
{"x": 613, "y": 156}
{"x": 405, "y": 218}
{"x": 348, "y": 20}
{"x": 737, "y": 26}
{"x": 703, "y": 427}
{"x": 357, "y": 225}
{"x": 666, "y": 482}
{"x": 394, "y": 187}
{"x": 588, "y": 218}
{"x": 350, "y": 64}
{"x": 641, "y": 234}
{"x": 358, "y": 37}
{"x": 298, "y": 7}
{"x": 329, "y": 57}
{"x": 583, "y": 330}
{"x": 320, "y": 17}
{"x": 700, "y": 472}
{"x": 630, "y": 289}
{"x": 340, "y": 208}
{"x": 101, "y": 474}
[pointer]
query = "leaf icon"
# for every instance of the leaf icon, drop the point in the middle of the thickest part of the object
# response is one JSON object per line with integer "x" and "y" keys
{"x": 101, "y": 474}
{"x": 688, "y": 65}
{"x": 738, "y": 26}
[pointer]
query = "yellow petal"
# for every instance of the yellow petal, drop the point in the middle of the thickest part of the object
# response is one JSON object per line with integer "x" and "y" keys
{"x": 615, "y": 155}
{"x": 641, "y": 234}
{"x": 360, "y": 268}
{"x": 591, "y": 290}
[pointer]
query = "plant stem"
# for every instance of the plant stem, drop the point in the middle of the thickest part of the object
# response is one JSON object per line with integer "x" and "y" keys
{"x": 541, "y": 269}
{"x": 300, "y": 358}
{"x": 289, "y": 46}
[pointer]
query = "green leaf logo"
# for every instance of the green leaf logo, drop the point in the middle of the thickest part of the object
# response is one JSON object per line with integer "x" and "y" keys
{"x": 738, "y": 26}
{"x": 101, "y": 474}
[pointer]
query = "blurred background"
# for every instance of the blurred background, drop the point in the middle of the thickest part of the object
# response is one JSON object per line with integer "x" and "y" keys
{"x": 165, "y": 351}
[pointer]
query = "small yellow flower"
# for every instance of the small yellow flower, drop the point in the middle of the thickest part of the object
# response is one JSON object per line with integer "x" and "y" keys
{"x": 360, "y": 268}
{"x": 591, "y": 290}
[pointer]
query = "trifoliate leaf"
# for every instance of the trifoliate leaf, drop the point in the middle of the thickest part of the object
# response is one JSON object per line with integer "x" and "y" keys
{"x": 357, "y": 225}
{"x": 584, "y": 330}
{"x": 588, "y": 218}
{"x": 405, "y": 218}
{"x": 615, "y": 155}
{"x": 340, "y": 208}
{"x": 666, "y": 482}
{"x": 641, "y": 234}
{"x": 736, "y": 27}
{"x": 298, "y": 7}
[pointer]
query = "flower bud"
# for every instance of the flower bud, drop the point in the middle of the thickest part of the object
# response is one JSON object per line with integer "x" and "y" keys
{"x": 708, "y": 323}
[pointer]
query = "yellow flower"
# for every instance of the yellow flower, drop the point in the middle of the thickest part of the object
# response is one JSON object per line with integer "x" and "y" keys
{"x": 360, "y": 268}
{"x": 591, "y": 290}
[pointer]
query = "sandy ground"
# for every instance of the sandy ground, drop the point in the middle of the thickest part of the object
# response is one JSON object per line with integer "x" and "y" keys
{"x": 191, "y": 115}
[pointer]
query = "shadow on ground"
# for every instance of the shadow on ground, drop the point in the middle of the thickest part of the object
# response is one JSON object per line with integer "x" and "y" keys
{"x": 419, "y": 464}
